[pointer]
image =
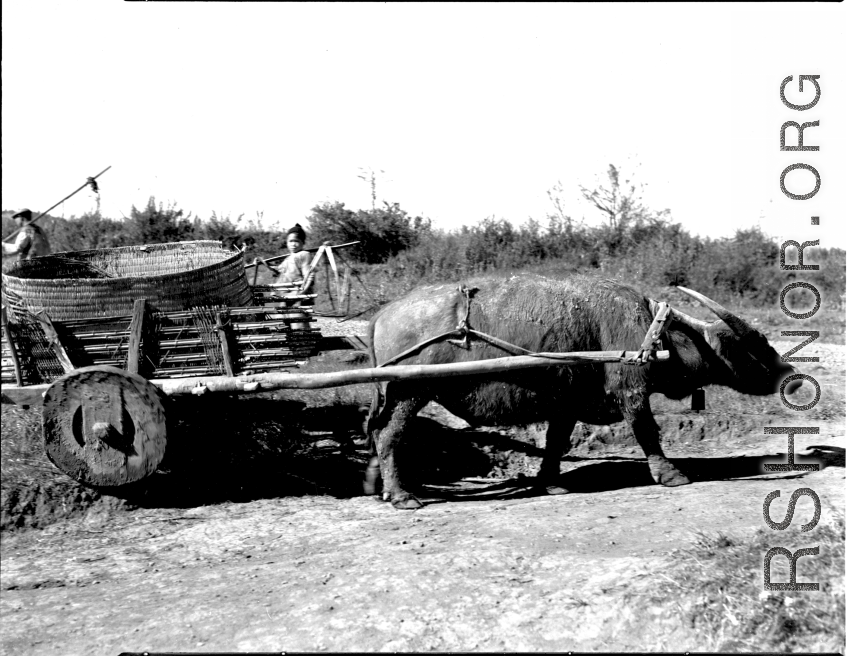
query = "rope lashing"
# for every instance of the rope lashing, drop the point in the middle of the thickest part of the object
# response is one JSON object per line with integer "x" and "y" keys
{"x": 654, "y": 335}
{"x": 463, "y": 330}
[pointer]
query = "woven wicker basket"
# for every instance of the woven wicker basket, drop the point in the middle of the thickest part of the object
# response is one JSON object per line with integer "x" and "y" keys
{"x": 106, "y": 282}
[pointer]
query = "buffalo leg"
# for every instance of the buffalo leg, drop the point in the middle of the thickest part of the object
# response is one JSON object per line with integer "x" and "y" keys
{"x": 647, "y": 433}
{"x": 402, "y": 413}
{"x": 373, "y": 476}
{"x": 558, "y": 442}
{"x": 371, "y": 426}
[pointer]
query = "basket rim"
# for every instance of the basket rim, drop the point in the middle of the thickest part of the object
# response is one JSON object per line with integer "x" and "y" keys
{"x": 105, "y": 282}
{"x": 135, "y": 247}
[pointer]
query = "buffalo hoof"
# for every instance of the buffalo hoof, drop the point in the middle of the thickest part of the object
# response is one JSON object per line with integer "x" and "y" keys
{"x": 544, "y": 485}
{"x": 675, "y": 479}
{"x": 406, "y": 502}
{"x": 664, "y": 473}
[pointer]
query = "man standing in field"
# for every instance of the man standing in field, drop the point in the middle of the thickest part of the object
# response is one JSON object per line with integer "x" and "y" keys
{"x": 31, "y": 241}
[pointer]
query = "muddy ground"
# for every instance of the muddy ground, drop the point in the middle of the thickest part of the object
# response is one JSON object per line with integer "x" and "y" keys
{"x": 285, "y": 554}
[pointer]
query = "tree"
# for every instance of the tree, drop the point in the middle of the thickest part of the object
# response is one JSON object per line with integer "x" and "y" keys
{"x": 629, "y": 221}
{"x": 158, "y": 224}
{"x": 89, "y": 231}
{"x": 383, "y": 231}
{"x": 489, "y": 242}
{"x": 221, "y": 228}
{"x": 619, "y": 203}
{"x": 369, "y": 176}
{"x": 333, "y": 222}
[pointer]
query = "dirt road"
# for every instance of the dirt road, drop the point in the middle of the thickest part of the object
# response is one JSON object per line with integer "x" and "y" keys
{"x": 484, "y": 569}
{"x": 485, "y": 565}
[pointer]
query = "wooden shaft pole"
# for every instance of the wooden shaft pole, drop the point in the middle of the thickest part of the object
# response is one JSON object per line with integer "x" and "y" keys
{"x": 198, "y": 385}
{"x": 274, "y": 381}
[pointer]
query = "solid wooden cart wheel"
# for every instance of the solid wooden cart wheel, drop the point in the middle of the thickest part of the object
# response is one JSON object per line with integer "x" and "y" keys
{"x": 104, "y": 426}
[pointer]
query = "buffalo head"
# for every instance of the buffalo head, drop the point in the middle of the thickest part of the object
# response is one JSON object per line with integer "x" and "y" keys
{"x": 752, "y": 364}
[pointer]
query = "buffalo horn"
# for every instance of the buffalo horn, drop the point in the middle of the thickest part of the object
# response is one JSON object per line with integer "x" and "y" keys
{"x": 738, "y": 325}
{"x": 697, "y": 324}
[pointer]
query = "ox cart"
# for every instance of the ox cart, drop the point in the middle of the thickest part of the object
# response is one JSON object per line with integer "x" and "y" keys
{"x": 105, "y": 371}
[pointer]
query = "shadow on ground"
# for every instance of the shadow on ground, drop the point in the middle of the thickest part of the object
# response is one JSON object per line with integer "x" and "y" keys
{"x": 246, "y": 449}
{"x": 621, "y": 473}
{"x": 243, "y": 449}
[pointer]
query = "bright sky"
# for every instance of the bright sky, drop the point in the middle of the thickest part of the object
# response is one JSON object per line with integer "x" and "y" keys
{"x": 470, "y": 110}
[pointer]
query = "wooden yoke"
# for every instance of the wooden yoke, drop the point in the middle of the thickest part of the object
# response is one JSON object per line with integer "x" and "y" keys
{"x": 651, "y": 341}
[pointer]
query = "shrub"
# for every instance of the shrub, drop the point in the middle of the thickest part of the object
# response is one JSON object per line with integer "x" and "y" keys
{"x": 158, "y": 224}
{"x": 383, "y": 232}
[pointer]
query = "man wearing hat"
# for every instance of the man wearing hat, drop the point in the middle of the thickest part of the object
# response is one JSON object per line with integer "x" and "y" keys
{"x": 295, "y": 267}
{"x": 31, "y": 241}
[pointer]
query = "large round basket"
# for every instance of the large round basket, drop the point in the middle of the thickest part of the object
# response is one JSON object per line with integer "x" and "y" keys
{"x": 106, "y": 282}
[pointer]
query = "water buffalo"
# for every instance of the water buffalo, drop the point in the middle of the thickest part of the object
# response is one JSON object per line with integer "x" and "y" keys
{"x": 580, "y": 313}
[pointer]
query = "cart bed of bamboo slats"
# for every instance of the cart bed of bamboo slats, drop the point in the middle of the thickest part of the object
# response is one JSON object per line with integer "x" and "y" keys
{"x": 70, "y": 310}
{"x": 203, "y": 341}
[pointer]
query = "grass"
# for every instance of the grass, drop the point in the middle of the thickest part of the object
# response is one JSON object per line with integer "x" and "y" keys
{"x": 33, "y": 492}
{"x": 23, "y": 459}
{"x": 771, "y": 321}
{"x": 718, "y": 583}
{"x": 377, "y": 285}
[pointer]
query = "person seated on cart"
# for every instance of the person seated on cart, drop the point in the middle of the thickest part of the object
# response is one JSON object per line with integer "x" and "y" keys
{"x": 31, "y": 241}
{"x": 295, "y": 267}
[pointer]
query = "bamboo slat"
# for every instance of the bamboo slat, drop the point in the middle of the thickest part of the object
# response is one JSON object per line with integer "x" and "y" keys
{"x": 134, "y": 354}
{"x": 54, "y": 341}
{"x": 173, "y": 343}
{"x": 9, "y": 346}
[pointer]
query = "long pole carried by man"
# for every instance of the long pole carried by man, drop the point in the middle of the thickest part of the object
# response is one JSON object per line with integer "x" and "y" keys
{"x": 33, "y": 242}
